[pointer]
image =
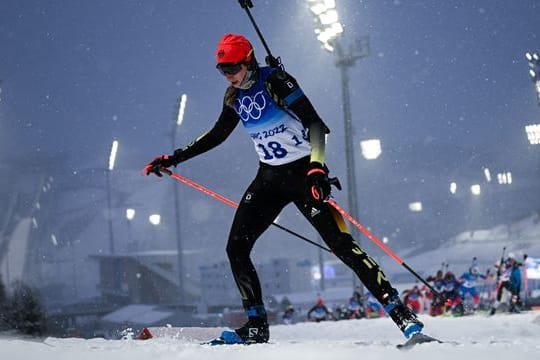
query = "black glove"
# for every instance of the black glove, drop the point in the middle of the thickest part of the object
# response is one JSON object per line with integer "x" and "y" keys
{"x": 319, "y": 183}
{"x": 163, "y": 161}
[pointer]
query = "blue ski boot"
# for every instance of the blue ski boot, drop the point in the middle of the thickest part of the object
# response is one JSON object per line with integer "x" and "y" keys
{"x": 402, "y": 315}
{"x": 254, "y": 331}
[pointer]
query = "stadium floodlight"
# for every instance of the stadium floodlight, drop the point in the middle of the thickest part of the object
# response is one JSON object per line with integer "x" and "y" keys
{"x": 155, "y": 219}
{"x": 327, "y": 22}
{"x": 329, "y": 17}
{"x": 533, "y": 133}
{"x": 415, "y": 206}
{"x": 487, "y": 174}
{"x": 532, "y": 57}
{"x": 453, "y": 187}
{"x": 112, "y": 155}
{"x": 534, "y": 72}
{"x": 181, "y": 110}
{"x": 504, "y": 178}
{"x": 130, "y": 214}
{"x": 318, "y": 8}
{"x": 371, "y": 149}
{"x": 476, "y": 189}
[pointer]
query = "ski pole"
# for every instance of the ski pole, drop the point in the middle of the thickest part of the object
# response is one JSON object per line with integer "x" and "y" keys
{"x": 379, "y": 243}
{"x": 270, "y": 59}
{"x": 232, "y": 203}
{"x": 498, "y": 275}
{"x": 525, "y": 280}
{"x": 500, "y": 265}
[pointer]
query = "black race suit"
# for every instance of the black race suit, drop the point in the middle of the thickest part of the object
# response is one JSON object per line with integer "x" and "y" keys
{"x": 280, "y": 182}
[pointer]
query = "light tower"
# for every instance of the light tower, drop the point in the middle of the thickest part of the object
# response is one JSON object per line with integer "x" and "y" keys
{"x": 534, "y": 72}
{"x": 112, "y": 160}
{"x": 533, "y": 130}
{"x": 329, "y": 32}
{"x": 179, "y": 247}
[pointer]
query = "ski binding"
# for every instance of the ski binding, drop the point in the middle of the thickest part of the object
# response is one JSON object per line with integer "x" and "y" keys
{"x": 416, "y": 339}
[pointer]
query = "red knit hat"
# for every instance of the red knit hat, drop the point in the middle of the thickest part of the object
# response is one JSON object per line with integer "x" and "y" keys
{"x": 233, "y": 48}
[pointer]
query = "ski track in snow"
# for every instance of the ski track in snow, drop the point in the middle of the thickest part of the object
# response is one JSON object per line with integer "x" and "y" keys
{"x": 478, "y": 337}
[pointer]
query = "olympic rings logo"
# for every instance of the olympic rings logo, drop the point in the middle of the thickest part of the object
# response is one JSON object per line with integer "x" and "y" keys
{"x": 250, "y": 107}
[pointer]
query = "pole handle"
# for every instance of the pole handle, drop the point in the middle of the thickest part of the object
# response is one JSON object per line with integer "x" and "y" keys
{"x": 245, "y": 4}
{"x": 270, "y": 59}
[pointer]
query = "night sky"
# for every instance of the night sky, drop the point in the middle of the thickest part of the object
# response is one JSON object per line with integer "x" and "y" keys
{"x": 445, "y": 87}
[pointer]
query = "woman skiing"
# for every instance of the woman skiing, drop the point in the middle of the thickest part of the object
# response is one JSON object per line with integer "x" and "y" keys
{"x": 289, "y": 137}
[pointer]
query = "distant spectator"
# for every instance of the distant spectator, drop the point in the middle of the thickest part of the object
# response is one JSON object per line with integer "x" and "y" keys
{"x": 289, "y": 316}
{"x": 319, "y": 312}
{"x": 468, "y": 284}
{"x": 355, "y": 307}
{"x": 413, "y": 299}
{"x": 451, "y": 293}
{"x": 510, "y": 279}
{"x": 373, "y": 307}
{"x": 437, "y": 305}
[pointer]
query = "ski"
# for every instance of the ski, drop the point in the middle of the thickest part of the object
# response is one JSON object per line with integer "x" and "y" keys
{"x": 230, "y": 337}
{"x": 416, "y": 339}
{"x": 195, "y": 334}
{"x": 215, "y": 342}
{"x": 227, "y": 337}
{"x": 221, "y": 341}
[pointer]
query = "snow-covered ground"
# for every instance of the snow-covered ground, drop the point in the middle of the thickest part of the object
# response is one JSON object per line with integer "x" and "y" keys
{"x": 476, "y": 337}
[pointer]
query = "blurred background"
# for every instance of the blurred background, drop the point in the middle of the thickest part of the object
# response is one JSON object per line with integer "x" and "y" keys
{"x": 90, "y": 92}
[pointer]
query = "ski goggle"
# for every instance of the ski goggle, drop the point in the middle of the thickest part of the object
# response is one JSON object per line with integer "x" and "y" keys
{"x": 229, "y": 68}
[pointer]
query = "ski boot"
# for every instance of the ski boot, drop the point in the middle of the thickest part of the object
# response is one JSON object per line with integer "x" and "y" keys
{"x": 402, "y": 315}
{"x": 254, "y": 331}
{"x": 514, "y": 305}
{"x": 494, "y": 307}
